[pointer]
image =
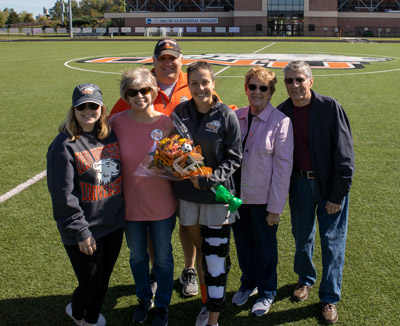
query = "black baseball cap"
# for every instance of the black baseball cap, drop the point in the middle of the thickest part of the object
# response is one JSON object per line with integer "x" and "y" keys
{"x": 85, "y": 93}
{"x": 167, "y": 46}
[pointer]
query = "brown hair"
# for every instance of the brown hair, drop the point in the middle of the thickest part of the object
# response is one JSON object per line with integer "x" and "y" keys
{"x": 197, "y": 65}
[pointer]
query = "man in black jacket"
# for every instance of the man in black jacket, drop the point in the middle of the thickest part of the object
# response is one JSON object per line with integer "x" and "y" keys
{"x": 322, "y": 174}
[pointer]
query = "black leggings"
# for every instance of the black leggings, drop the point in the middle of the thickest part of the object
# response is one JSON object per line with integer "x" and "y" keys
{"x": 93, "y": 273}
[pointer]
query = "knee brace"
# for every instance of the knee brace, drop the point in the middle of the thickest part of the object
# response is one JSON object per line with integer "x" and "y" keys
{"x": 216, "y": 264}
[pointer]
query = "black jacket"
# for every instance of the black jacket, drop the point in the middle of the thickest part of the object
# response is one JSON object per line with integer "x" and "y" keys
{"x": 331, "y": 145}
{"x": 84, "y": 180}
{"x": 218, "y": 134}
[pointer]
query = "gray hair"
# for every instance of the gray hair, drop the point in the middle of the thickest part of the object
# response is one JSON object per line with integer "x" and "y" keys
{"x": 298, "y": 66}
{"x": 136, "y": 76}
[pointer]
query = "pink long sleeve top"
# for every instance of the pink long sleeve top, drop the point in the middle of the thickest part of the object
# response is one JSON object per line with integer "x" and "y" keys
{"x": 267, "y": 158}
{"x": 146, "y": 198}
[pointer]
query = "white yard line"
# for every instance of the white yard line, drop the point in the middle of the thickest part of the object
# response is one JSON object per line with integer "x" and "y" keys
{"x": 217, "y": 73}
{"x": 264, "y": 47}
{"x": 222, "y": 70}
{"x": 22, "y": 186}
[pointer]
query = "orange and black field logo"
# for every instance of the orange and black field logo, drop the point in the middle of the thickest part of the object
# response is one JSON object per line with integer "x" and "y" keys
{"x": 316, "y": 61}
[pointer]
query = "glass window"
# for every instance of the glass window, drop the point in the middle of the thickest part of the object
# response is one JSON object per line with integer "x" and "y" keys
{"x": 285, "y": 17}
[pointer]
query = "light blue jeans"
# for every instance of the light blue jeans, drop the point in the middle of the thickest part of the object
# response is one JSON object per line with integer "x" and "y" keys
{"x": 136, "y": 237}
{"x": 305, "y": 202}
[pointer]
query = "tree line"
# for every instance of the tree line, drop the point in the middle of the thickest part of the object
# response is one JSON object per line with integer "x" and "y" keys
{"x": 84, "y": 13}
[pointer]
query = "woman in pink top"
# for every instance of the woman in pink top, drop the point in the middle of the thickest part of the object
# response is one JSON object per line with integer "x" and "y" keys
{"x": 263, "y": 181}
{"x": 150, "y": 203}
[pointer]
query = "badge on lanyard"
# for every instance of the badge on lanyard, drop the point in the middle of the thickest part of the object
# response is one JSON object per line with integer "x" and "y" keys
{"x": 157, "y": 134}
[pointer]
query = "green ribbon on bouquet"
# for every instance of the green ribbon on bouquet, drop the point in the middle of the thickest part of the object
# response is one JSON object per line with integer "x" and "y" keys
{"x": 222, "y": 194}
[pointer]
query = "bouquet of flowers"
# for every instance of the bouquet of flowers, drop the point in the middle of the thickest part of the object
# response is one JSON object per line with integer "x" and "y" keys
{"x": 176, "y": 158}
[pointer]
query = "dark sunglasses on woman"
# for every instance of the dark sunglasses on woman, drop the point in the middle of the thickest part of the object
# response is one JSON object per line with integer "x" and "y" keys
{"x": 91, "y": 105}
{"x": 252, "y": 87}
{"x": 135, "y": 92}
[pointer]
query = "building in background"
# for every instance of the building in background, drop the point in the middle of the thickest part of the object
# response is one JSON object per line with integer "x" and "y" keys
{"x": 264, "y": 17}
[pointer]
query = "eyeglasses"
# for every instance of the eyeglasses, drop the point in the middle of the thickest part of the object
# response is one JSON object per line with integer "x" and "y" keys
{"x": 135, "y": 92}
{"x": 253, "y": 87}
{"x": 90, "y": 105}
{"x": 299, "y": 80}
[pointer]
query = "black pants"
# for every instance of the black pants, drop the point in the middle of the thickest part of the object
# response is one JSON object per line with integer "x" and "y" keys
{"x": 93, "y": 273}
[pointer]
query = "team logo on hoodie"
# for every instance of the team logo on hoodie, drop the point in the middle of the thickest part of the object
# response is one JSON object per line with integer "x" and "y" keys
{"x": 213, "y": 126}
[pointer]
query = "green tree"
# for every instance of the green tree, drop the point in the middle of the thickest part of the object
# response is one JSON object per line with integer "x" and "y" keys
{"x": 3, "y": 17}
{"x": 112, "y": 6}
{"x": 55, "y": 11}
{"x": 26, "y": 17}
{"x": 13, "y": 17}
{"x": 43, "y": 20}
{"x": 99, "y": 7}
{"x": 93, "y": 8}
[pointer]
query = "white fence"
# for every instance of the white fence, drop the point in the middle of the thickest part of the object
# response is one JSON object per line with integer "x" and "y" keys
{"x": 113, "y": 31}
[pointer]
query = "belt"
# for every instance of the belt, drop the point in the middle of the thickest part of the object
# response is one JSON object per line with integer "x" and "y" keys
{"x": 305, "y": 173}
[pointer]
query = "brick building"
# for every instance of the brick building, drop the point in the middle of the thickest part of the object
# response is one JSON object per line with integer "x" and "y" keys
{"x": 263, "y": 17}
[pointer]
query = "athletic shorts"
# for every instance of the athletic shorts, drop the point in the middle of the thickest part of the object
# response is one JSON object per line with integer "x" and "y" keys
{"x": 204, "y": 214}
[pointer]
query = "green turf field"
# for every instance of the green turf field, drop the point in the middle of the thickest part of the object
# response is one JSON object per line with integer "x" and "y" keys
{"x": 36, "y": 84}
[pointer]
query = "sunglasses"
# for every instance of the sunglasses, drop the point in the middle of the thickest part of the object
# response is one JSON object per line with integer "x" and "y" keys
{"x": 135, "y": 92}
{"x": 253, "y": 87}
{"x": 299, "y": 80}
{"x": 91, "y": 105}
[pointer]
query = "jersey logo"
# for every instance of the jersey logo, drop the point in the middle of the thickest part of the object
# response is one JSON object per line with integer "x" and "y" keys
{"x": 213, "y": 126}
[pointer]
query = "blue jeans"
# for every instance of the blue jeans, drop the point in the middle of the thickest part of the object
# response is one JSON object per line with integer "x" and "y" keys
{"x": 257, "y": 250}
{"x": 305, "y": 201}
{"x": 160, "y": 234}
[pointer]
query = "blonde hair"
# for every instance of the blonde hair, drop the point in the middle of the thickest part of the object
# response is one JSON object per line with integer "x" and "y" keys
{"x": 136, "y": 76}
{"x": 71, "y": 126}
{"x": 266, "y": 76}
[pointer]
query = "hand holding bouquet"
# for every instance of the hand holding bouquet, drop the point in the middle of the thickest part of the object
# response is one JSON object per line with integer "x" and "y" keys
{"x": 176, "y": 158}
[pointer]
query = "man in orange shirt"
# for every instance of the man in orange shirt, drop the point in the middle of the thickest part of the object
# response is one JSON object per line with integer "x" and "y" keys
{"x": 172, "y": 81}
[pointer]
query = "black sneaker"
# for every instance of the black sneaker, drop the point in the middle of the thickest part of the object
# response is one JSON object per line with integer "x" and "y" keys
{"x": 140, "y": 314}
{"x": 153, "y": 282}
{"x": 188, "y": 280}
{"x": 161, "y": 317}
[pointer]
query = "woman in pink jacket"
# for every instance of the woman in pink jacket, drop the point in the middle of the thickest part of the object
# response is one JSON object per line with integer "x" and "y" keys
{"x": 263, "y": 184}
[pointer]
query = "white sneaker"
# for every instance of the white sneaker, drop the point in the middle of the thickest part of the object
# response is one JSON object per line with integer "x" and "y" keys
{"x": 101, "y": 321}
{"x": 261, "y": 307}
{"x": 68, "y": 311}
{"x": 241, "y": 296}
{"x": 202, "y": 317}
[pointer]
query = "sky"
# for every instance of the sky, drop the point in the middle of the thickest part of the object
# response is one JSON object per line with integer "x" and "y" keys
{"x": 33, "y": 6}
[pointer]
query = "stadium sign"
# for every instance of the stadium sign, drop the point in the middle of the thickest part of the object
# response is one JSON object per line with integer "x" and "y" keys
{"x": 197, "y": 21}
{"x": 316, "y": 61}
